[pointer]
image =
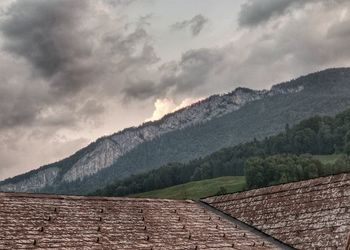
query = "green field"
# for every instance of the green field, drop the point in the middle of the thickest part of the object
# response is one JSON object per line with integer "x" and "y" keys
{"x": 327, "y": 159}
{"x": 198, "y": 189}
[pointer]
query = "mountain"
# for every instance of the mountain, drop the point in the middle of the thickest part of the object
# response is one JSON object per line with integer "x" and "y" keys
{"x": 102, "y": 153}
{"x": 195, "y": 131}
{"x": 317, "y": 146}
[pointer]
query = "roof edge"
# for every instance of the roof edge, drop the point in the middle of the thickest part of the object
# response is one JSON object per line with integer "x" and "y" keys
{"x": 286, "y": 185}
{"x": 81, "y": 197}
{"x": 245, "y": 226}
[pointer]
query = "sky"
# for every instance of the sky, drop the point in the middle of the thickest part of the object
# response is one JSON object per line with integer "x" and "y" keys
{"x": 73, "y": 71}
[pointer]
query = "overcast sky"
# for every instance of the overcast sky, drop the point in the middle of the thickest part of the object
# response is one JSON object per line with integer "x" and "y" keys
{"x": 72, "y": 71}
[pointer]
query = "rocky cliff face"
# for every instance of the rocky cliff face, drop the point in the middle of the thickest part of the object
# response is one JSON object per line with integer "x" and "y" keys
{"x": 35, "y": 182}
{"x": 120, "y": 143}
{"x": 110, "y": 148}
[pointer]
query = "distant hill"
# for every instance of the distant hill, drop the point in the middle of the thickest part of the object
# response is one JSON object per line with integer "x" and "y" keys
{"x": 216, "y": 122}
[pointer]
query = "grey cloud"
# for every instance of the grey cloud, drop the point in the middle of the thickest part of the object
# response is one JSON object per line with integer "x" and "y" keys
{"x": 46, "y": 33}
{"x": 92, "y": 107}
{"x": 146, "y": 56}
{"x": 141, "y": 90}
{"x": 188, "y": 75}
{"x": 255, "y": 12}
{"x": 340, "y": 30}
{"x": 313, "y": 41}
{"x": 196, "y": 24}
{"x": 144, "y": 89}
{"x": 125, "y": 45}
{"x": 19, "y": 101}
{"x": 116, "y": 3}
{"x": 69, "y": 53}
{"x": 270, "y": 55}
{"x": 194, "y": 69}
{"x": 56, "y": 38}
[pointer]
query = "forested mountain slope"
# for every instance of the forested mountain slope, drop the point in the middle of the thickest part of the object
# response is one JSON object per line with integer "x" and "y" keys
{"x": 292, "y": 155}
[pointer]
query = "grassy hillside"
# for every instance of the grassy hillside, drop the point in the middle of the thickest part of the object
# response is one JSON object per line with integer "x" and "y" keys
{"x": 228, "y": 184}
{"x": 198, "y": 189}
{"x": 327, "y": 159}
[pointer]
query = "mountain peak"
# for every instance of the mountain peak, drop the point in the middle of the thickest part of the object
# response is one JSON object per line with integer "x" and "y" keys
{"x": 323, "y": 78}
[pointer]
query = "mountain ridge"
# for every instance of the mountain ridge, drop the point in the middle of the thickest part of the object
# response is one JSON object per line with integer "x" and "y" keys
{"x": 86, "y": 162}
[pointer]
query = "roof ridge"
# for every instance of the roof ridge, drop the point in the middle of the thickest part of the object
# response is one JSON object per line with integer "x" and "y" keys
{"x": 82, "y": 197}
{"x": 285, "y": 186}
{"x": 245, "y": 226}
{"x": 281, "y": 191}
{"x": 306, "y": 214}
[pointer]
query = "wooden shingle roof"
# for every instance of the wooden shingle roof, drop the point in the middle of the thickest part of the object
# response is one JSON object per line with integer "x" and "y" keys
{"x": 33, "y": 221}
{"x": 312, "y": 214}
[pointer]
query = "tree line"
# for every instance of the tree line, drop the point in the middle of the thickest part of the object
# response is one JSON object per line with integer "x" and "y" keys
{"x": 267, "y": 171}
{"x": 275, "y": 159}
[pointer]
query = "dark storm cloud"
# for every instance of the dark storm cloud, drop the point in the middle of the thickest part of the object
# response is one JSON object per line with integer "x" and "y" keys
{"x": 46, "y": 33}
{"x": 196, "y": 24}
{"x": 20, "y": 99}
{"x": 56, "y": 38}
{"x": 69, "y": 50}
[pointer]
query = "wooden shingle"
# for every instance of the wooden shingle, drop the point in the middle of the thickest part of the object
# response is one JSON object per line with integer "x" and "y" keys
{"x": 312, "y": 214}
{"x": 33, "y": 221}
